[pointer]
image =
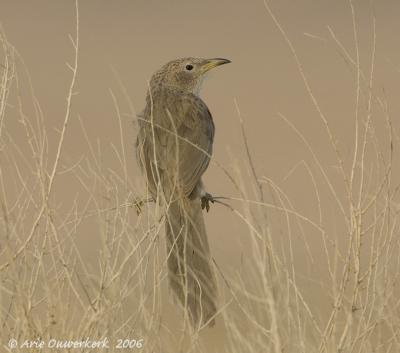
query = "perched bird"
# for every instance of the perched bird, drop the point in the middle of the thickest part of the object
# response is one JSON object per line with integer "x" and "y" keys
{"x": 174, "y": 145}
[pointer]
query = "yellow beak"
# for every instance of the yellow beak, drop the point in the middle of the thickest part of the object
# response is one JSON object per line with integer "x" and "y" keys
{"x": 211, "y": 63}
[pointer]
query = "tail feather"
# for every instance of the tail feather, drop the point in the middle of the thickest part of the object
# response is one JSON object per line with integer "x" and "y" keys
{"x": 190, "y": 270}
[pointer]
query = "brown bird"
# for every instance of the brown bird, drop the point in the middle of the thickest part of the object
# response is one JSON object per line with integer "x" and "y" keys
{"x": 174, "y": 146}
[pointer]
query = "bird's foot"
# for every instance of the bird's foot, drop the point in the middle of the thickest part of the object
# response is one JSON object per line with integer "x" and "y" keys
{"x": 205, "y": 201}
{"x": 139, "y": 206}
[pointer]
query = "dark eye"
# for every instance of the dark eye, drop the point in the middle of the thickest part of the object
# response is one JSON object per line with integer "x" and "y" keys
{"x": 189, "y": 67}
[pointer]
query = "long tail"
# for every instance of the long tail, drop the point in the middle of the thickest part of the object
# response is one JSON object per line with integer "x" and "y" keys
{"x": 190, "y": 270}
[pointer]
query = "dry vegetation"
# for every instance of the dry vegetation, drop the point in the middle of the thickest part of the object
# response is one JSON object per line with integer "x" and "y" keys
{"x": 47, "y": 290}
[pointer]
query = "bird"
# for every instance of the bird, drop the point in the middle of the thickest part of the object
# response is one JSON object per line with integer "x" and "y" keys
{"x": 173, "y": 148}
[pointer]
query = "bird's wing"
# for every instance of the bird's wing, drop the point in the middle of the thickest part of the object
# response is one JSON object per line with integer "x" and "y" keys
{"x": 177, "y": 147}
{"x": 195, "y": 146}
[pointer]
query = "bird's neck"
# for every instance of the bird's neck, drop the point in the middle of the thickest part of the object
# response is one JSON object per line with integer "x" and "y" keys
{"x": 167, "y": 89}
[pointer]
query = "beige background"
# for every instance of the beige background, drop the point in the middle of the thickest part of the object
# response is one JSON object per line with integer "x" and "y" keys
{"x": 128, "y": 40}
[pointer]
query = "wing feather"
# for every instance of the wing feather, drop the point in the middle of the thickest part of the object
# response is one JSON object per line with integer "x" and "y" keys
{"x": 179, "y": 143}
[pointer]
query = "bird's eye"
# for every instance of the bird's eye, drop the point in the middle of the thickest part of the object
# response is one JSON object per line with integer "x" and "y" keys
{"x": 189, "y": 67}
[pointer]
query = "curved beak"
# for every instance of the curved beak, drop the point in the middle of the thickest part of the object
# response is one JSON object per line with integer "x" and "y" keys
{"x": 211, "y": 63}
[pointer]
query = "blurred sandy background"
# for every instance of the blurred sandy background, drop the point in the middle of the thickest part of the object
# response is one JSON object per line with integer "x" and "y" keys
{"x": 126, "y": 41}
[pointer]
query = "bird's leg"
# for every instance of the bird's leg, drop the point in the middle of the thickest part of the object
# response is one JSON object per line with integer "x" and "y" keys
{"x": 205, "y": 201}
{"x": 199, "y": 192}
{"x": 139, "y": 203}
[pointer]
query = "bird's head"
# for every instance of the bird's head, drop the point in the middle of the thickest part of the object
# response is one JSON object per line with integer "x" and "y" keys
{"x": 186, "y": 74}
